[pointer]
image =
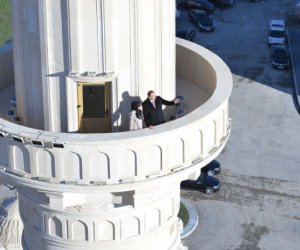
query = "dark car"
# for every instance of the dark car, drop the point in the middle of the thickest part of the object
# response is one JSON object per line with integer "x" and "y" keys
{"x": 280, "y": 57}
{"x": 180, "y": 4}
{"x": 204, "y": 183}
{"x": 186, "y": 34}
{"x": 223, "y": 3}
{"x": 198, "y": 5}
{"x": 211, "y": 169}
{"x": 202, "y": 20}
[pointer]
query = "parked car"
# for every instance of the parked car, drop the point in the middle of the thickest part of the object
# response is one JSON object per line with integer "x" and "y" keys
{"x": 188, "y": 34}
{"x": 198, "y": 5}
{"x": 277, "y": 34}
{"x": 223, "y": 3}
{"x": 202, "y": 20}
{"x": 280, "y": 57}
{"x": 211, "y": 169}
{"x": 204, "y": 183}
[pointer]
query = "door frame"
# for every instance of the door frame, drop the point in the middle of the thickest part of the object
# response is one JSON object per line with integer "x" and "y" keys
{"x": 107, "y": 103}
{"x": 72, "y": 100}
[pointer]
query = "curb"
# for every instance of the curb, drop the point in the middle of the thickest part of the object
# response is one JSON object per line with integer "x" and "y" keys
{"x": 193, "y": 219}
{"x": 295, "y": 87}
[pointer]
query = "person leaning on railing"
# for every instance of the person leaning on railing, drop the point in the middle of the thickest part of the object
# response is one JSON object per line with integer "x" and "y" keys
{"x": 152, "y": 109}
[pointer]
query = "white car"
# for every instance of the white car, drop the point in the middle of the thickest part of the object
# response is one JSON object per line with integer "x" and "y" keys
{"x": 277, "y": 34}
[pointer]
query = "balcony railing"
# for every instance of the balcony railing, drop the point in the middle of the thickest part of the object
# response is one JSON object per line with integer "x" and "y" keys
{"x": 101, "y": 159}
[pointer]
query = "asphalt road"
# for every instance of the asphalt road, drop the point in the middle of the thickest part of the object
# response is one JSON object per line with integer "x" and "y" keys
{"x": 258, "y": 206}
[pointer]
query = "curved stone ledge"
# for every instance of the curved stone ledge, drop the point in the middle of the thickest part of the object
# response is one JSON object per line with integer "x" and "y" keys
{"x": 115, "y": 158}
{"x": 192, "y": 224}
{"x": 44, "y": 185}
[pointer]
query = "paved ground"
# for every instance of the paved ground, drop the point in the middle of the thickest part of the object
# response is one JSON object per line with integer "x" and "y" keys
{"x": 294, "y": 41}
{"x": 258, "y": 206}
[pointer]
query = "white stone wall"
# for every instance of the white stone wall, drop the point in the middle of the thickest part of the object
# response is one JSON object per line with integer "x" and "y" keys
{"x": 132, "y": 39}
{"x": 102, "y": 220}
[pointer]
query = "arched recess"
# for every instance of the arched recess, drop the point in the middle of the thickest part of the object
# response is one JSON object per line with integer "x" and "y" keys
{"x": 55, "y": 227}
{"x": 99, "y": 165}
{"x": 130, "y": 227}
{"x": 176, "y": 152}
{"x": 226, "y": 118}
{"x": 153, "y": 219}
{"x": 72, "y": 166}
{"x": 105, "y": 231}
{"x": 215, "y": 132}
{"x": 221, "y": 124}
{"x": 169, "y": 209}
{"x": 152, "y": 159}
{"x": 195, "y": 149}
{"x": 210, "y": 135}
{"x": 127, "y": 164}
{"x": 45, "y": 163}
{"x": 219, "y": 128}
{"x": 21, "y": 159}
{"x": 79, "y": 231}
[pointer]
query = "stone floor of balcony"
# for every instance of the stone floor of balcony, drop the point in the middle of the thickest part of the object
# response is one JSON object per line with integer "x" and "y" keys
{"x": 194, "y": 97}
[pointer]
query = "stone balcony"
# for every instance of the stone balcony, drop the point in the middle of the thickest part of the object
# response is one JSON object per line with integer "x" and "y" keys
{"x": 182, "y": 146}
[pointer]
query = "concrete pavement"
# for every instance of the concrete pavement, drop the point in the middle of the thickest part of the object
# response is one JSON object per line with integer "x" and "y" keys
{"x": 258, "y": 206}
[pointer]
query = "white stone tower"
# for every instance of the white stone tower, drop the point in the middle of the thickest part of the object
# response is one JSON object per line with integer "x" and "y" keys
{"x": 83, "y": 182}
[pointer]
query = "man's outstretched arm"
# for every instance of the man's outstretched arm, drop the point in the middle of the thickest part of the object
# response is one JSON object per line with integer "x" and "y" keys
{"x": 168, "y": 103}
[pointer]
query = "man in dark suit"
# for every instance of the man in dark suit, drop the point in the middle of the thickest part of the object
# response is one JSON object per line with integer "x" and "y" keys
{"x": 152, "y": 109}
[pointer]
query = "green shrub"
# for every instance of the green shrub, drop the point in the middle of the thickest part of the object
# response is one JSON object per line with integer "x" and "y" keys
{"x": 183, "y": 214}
{"x": 5, "y": 21}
